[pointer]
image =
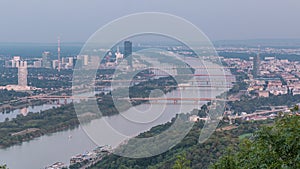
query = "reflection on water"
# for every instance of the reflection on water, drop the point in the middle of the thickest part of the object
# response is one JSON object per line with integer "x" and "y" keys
{"x": 25, "y": 110}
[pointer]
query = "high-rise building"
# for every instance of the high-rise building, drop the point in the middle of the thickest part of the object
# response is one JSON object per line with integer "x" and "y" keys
{"x": 119, "y": 56}
{"x": 74, "y": 61}
{"x": 85, "y": 60}
{"x": 55, "y": 64}
{"x": 70, "y": 59}
{"x": 17, "y": 58}
{"x": 37, "y": 64}
{"x": 256, "y": 66}
{"x": 94, "y": 63}
{"x": 63, "y": 61}
{"x": 7, "y": 63}
{"x": 128, "y": 52}
{"x": 22, "y": 73}
{"x": 15, "y": 61}
{"x": 58, "y": 53}
{"x": 46, "y": 60}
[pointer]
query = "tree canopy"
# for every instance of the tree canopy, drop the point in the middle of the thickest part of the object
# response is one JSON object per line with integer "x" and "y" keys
{"x": 275, "y": 146}
{"x": 3, "y": 167}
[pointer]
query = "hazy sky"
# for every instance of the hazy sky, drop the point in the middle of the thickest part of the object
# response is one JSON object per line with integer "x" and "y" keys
{"x": 76, "y": 20}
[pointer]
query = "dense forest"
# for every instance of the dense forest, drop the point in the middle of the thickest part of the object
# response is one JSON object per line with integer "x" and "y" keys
{"x": 3, "y": 167}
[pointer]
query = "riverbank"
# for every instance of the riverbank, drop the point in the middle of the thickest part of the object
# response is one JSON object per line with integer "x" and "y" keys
{"x": 65, "y": 117}
{"x": 46, "y": 122}
{"x": 84, "y": 160}
{"x": 6, "y": 108}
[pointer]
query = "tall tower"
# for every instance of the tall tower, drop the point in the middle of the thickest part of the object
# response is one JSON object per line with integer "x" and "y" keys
{"x": 128, "y": 52}
{"x": 58, "y": 53}
{"x": 46, "y": 60}
{"x": 22, "y": 73}
{"x": 256, "y": 64}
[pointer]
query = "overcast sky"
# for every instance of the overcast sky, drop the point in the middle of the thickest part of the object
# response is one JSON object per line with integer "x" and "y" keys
{"x": 77, "y": 20}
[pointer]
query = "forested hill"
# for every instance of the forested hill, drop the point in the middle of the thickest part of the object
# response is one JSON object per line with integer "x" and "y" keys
{"x": 188, "y": 153}
{"x": 275, "y": 146}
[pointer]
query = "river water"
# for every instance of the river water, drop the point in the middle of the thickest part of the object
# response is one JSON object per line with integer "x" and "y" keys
{"x": 34, "y": 109}
{"x": 60, "y": 146}
{"x": 25, "y": 110}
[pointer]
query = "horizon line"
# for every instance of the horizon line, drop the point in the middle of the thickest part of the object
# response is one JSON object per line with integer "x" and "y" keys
{"x": 77, "y": 42}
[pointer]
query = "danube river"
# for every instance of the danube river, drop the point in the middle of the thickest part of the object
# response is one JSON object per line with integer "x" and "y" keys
{"x": 60, "y": 146}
